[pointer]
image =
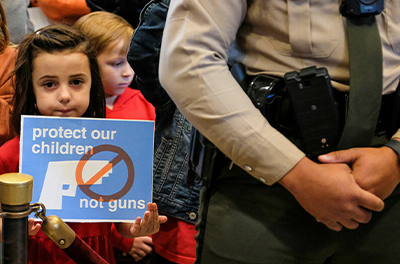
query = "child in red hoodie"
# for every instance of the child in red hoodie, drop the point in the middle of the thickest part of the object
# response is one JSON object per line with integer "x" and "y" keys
{"x": 110, "y": 36}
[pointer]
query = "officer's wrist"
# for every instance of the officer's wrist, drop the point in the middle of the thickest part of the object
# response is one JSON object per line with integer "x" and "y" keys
{"x": 394, "y": 144}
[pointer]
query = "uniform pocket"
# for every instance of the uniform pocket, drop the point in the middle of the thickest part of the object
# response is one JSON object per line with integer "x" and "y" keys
{"x": 392, "y": 22}
{"x": 303, "y": 28}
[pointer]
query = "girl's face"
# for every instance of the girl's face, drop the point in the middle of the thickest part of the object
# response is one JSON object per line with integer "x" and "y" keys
{"x": 116, "y": 73}
{"x": 61, "y": 83}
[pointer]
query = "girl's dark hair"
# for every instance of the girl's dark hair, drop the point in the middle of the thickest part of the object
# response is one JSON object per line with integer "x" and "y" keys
{"x": 52, "y": 39}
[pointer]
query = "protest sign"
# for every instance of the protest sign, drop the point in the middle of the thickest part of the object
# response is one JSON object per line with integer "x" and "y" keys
{"x": 89, "y": 169}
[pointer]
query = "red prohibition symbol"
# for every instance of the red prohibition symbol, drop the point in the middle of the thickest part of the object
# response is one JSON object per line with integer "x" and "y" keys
{"x": 121, "y": 156}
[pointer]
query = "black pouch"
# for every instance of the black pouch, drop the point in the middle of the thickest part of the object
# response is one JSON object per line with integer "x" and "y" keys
{"x": 315, "y": 109}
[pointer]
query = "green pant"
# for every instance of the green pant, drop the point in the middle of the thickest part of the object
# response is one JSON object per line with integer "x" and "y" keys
{"x": 245, "y": 221}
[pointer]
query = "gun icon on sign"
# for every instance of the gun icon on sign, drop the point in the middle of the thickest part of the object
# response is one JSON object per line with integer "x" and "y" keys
{"x": 60, "y": 180}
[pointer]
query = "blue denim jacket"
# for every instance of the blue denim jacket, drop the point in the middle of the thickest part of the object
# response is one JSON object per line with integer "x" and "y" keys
{"x": 172, "y": 192}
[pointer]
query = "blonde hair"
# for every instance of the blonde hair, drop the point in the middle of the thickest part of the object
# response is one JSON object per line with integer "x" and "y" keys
{"x": 104, "y": 29}
{"x": 4, "y": 36}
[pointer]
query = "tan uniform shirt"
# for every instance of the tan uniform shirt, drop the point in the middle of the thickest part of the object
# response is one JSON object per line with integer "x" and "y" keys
{"x": 276, "y": 36}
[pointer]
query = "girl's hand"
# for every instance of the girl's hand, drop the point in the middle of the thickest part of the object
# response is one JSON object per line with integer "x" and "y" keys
{"x": 32, "y": 227}
{"x": 150, "y": 223}
{"x": 148, "y": 226}
{"x": 141, "y": 246}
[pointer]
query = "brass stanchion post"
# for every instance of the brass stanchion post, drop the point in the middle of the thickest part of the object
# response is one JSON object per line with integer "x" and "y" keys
{"x": 15, "y": 196}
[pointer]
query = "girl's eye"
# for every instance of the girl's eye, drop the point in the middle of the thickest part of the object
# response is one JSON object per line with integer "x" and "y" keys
{"x": 49, "y": 84}
{"x": 76, "y": 82}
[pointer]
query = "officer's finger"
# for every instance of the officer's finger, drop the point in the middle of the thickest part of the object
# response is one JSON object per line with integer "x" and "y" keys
{"x": 341, "y": 156}
{"x": 333, "y": 225}
{"x": 350, "y": 224}
{"x": 371, "y": 202}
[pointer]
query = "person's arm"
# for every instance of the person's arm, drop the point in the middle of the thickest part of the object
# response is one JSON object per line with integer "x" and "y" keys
{"x": 194, "y": 72}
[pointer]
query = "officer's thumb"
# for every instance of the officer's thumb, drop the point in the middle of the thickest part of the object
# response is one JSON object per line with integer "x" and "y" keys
{"x": 335, "y": 157}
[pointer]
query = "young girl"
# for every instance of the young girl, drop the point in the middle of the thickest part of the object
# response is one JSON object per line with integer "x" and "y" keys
{"x": 57, "y": 74}
{"x": 110, "y": 36}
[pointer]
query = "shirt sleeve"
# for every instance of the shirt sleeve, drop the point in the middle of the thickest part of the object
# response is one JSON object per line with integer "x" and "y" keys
{"x": 194, "y": 72}
{"x": 119, "y": 241}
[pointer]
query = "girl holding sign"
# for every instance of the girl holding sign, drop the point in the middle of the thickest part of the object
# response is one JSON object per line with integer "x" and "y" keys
{"x": 57, "y": 74}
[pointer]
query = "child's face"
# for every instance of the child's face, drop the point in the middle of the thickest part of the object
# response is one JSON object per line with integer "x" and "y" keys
{"x": 61, "y": 83}
{"x": 116, "y": 73}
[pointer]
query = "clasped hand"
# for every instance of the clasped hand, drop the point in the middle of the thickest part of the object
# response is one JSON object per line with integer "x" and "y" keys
{"x": 375, "y": 170}
{"x": 346, "y": 187}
